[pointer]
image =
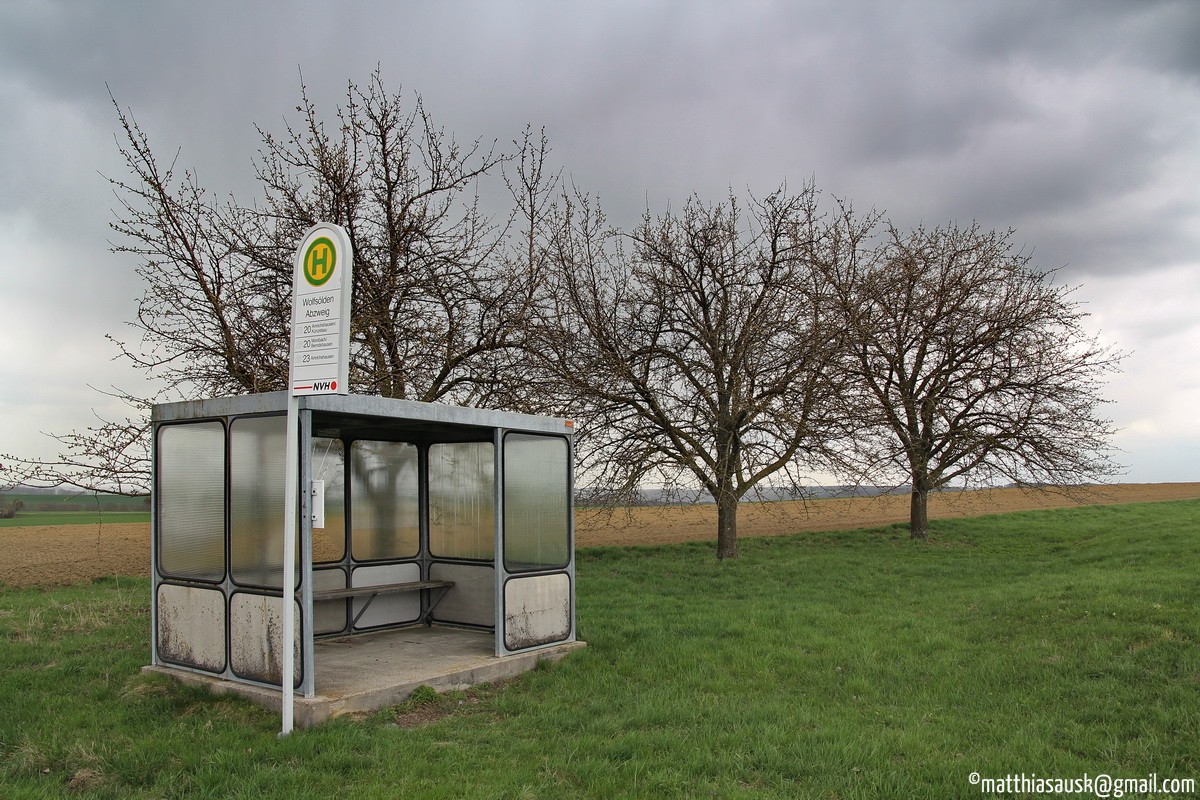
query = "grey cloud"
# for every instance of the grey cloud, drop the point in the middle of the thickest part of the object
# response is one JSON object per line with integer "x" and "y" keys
{"x": 1077, "y": 121}
{"x": 1153, "y": 34}
{"x": 919, "y": 108}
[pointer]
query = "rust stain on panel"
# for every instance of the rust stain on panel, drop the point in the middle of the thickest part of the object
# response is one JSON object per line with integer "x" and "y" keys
{"x": 256, "y": 630}
{"x": 191, "y": 626}
{"x": 537, "y": 610}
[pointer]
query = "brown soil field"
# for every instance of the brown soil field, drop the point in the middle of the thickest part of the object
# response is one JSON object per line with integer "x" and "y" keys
{"x": 57, "y": 555}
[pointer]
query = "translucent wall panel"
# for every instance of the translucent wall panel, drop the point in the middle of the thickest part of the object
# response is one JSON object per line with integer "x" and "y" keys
{"x": 536, "y": 527}
{"x": 190, "y": 626}
{"x": 384, "y": 504}
{"x": 537, "y": 610}
{"x": 462, "y": 501}
{"x": 256, "y": 638}
{"x": 328, "y": 465}
{"x": 190, "y": 498}
{"x": 256, "y": 482}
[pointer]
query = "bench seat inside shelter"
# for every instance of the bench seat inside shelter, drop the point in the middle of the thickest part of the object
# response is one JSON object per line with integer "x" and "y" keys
{"x": 371, "y": 592}
{"x": 383, "y": 588}
{"x": 409, "y": 515}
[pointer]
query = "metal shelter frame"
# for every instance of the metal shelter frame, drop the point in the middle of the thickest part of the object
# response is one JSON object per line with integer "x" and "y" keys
{"x": 215, "y": 624}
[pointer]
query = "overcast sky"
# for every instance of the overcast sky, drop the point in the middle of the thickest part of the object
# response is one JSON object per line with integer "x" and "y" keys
{"x": 1076, "y": 123}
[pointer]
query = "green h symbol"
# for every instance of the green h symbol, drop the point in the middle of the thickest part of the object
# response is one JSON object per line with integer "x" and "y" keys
{"x": 319, "y": 261}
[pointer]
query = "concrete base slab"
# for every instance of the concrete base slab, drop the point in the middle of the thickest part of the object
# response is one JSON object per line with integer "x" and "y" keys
{"x": 367, "y": 672}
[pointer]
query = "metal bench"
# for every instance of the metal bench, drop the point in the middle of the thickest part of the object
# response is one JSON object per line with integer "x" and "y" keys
{"x": 371, "y": 592}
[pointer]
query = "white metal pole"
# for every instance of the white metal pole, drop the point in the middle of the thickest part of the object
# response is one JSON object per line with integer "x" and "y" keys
{"x": 290, "y": 489}
{"x": 322, "y": 279}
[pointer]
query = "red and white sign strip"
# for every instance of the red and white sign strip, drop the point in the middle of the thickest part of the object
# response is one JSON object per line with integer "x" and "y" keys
{"x": 321, "y": 287}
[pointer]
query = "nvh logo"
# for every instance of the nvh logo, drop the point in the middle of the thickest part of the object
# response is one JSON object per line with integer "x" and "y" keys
{"x": 319, "y": 261}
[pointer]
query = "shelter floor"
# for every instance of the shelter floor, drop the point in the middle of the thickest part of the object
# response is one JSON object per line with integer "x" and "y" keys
{"x": 427, "y": 655}
{"x": 366, "y": 672}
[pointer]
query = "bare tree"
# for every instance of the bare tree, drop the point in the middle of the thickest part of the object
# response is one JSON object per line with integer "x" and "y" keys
{"x": 695, "y": 350}
{"x": 429, "y": 296}
{"x": 976, "y": 364}
{"x": 439, "y": 309}
{"x": 112, "y": 455}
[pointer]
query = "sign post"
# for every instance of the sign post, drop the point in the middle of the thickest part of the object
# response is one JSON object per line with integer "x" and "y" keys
{"x": 322, "y": 283}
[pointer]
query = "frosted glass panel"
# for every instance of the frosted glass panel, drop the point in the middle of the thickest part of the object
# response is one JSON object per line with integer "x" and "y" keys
{"x": 190, "y": 500}
{"x": 384, "y": 505}
{"x": 328, "y": 465}
{"x": 535, "y": 502}
{"x": 256, "y": 481}
{"x": 462, "y": 501}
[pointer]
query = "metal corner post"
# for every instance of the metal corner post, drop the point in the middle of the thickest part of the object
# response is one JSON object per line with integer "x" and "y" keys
{"x": 308, "y": 665}
{"x": 287, "y": 581}
{"x": 154, "y": 521}
{"x": 574, "y": 635}
{"x": 501, "y": 575}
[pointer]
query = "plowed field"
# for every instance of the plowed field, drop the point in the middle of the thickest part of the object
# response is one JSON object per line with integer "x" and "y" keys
{"x": 56, "y": 555}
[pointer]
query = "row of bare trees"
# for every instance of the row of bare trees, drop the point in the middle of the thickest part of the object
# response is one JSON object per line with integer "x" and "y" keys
{"x": 718, "y": 348}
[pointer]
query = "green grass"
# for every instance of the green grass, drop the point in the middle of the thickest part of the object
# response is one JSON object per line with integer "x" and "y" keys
{"x": 30, "y": 518}
{"x": 843, "y": 665}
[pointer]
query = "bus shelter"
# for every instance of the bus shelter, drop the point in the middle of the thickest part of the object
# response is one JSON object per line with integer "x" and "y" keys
{"x": 411, "y": 515}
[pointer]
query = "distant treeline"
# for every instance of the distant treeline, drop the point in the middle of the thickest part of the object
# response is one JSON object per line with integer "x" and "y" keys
{"x": 49, "y": 501}
{"x": 657, "y": 497}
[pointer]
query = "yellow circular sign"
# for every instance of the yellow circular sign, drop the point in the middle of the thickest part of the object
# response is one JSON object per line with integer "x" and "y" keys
{"x": 320, "y": 259}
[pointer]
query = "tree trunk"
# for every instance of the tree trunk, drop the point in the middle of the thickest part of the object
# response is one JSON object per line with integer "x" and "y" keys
{"x": 919, "y": 512}
{"x": 727, "y": 506}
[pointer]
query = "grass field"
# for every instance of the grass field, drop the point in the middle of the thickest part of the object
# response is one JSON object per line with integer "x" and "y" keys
{"x": 30, "y": 518}
{"x": 854, "y": 664}
{"x": 38, "y": 501}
